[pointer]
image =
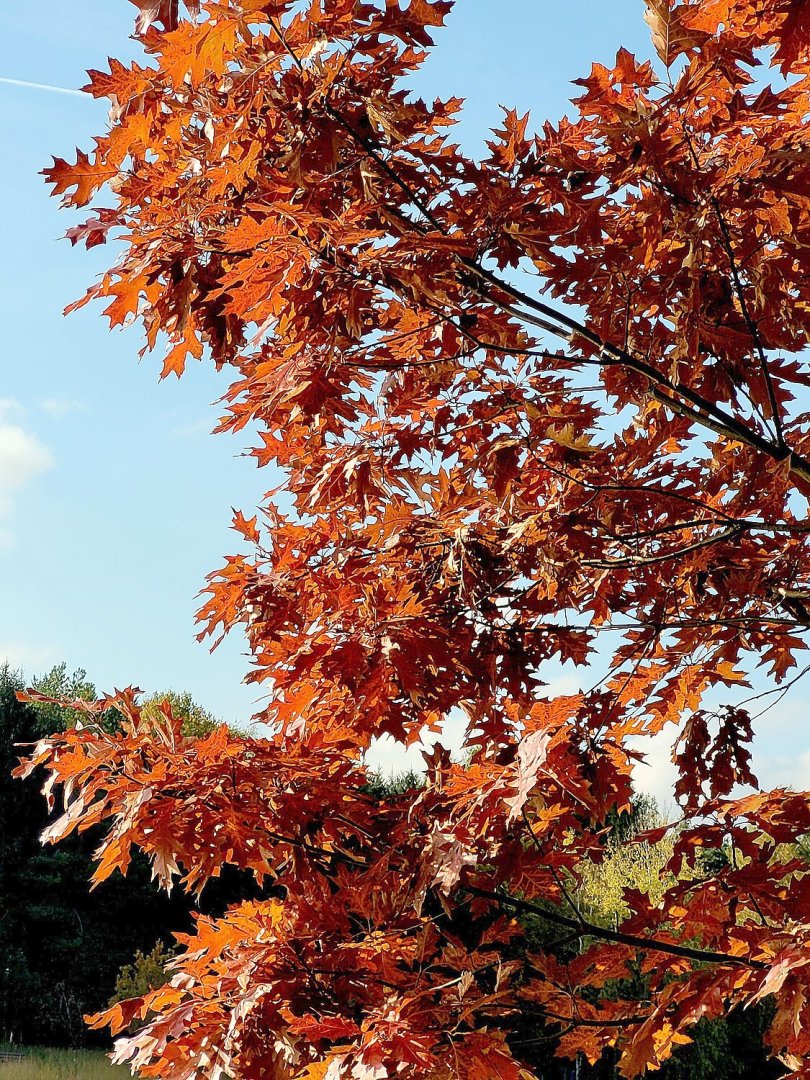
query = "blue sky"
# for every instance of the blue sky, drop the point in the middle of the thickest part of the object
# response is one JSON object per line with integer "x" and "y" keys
{"x": 114, "y": 499}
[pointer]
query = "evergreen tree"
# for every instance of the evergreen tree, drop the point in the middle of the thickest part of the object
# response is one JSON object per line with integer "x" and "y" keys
{"x": 61, "y": 945}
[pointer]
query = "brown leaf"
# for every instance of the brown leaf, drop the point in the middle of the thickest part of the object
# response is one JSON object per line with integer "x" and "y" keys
{"x": 670, "y": 36}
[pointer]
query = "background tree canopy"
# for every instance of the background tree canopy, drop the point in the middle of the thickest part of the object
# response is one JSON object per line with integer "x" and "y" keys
{"x": 61, "y": 945}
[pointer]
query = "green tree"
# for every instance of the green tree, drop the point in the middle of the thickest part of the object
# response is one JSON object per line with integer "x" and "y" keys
{"x": 62, "y": 947}
{"x": 628, "y": 863}
{"x": 197, "y": 721}
{"x": 146, "y": 972}
{"x": 67, "y": 686}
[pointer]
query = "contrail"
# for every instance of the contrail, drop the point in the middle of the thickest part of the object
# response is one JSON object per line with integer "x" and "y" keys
{"x": 41, "y": 86}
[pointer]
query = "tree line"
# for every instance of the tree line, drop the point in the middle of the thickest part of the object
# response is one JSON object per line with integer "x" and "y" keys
{"x": 63, "y": 946}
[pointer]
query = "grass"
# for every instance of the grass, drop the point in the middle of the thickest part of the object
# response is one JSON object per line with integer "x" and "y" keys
{"x": 40, "y": 1063}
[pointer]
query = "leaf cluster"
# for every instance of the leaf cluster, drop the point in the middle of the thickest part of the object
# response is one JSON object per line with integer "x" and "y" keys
{"x": 546, "y": 406}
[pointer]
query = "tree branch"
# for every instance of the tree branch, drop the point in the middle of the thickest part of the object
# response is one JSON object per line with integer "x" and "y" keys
{"x": 593, "y": 930}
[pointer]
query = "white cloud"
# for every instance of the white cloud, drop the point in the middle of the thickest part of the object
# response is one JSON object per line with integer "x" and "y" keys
{"x": 563, "y": 685}
{"x": 390, "y": 757}
{"x": 31, "y": 659}
{"x": 656, "y": 775}
{"x": 781, "y": 756}
{"x": 780, "y": 752}
{"x": 59, "y": 407}
{"x": 22, "y": 457}
{"x": 10, "y": 407}
{"x": 789, "y": 771}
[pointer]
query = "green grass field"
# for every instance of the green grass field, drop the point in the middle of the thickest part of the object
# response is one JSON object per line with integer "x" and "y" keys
{"x": 40, "y": 1063}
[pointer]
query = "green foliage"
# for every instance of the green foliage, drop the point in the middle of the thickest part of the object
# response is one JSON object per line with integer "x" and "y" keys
{"x": 69, "y": 686}
{"x": 197, "y": 721}
{"x": 146, "y": 972}
{"x": 627, "y": 865}
{"x": 382, "y": 786}
{"x": 727, "y": 1049}
{"x": 731, "y": 1048}
{"x": 66, "y": 951}
{"x": 58, "y": 683}
{"x": 644, "y": 814}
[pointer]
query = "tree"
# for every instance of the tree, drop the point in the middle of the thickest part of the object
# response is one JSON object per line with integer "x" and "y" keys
{"x": 62, "y": 946}
{"x": 544, "y": 407}
{"x": 628, "y": 864}
{"x": 146, "y": 972}
{"x": 61, "y": 685}
{"x": 196, "y": 720}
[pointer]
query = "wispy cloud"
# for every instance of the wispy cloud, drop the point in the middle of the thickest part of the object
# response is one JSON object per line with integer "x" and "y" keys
{"x": 30, "y": 659}
{"x": 656, "y": 774}
{"x": 9, "y": 406}
{"x": 22, "y": 457}
{"x": 59, "y": 407}
{"x": 25, "y": 84}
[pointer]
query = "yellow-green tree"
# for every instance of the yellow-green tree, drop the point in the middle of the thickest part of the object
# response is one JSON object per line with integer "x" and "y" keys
{"x": 197, "y": 721}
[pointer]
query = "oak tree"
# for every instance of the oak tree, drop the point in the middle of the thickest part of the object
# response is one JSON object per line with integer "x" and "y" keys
{"x": 545, "y": 407}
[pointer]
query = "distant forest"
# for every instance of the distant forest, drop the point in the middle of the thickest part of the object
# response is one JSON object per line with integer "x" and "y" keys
{"x": 62, "y": 946}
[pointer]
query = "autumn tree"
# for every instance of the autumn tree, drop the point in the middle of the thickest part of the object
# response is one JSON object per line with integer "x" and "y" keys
{"x": 544, "y": 407}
